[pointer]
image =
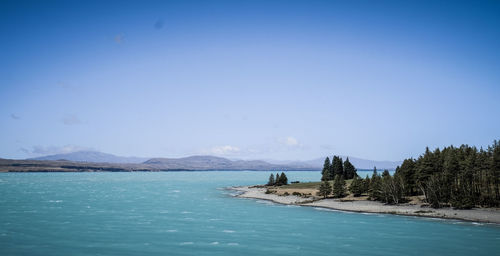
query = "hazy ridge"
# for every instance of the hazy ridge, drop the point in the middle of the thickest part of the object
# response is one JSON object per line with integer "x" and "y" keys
{"x": 205, "y": 162}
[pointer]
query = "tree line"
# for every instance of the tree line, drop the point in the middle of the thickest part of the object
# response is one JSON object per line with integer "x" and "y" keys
{"x": 277, "y": 180}
{"x": 338, "y": 188}
{"x": 338, "y": 171}
{"x": 461, "y": 177}
{"x": 337, "y": 168}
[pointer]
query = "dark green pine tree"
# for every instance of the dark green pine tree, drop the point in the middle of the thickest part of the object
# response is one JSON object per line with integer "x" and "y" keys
{"x": 462, "y": 194}
{"x": 483, "y": 179}
{"x": 495, "y": 169}
{"x": 277, "y": 179}
{"x": 375, "y": 186}
{"x": 366, "y": 184}
{"x": 462, "y": 178}
{"x": 325, "y": 189}
{"x": 271, "y": 180}
{"x": 339, "y": 189}
{"x": 283, "y": 179}
{"x": 331, "y": 172}
{"x": 357, "y": 186}
{"x": 407, "y": 172}
{"x": 349, "y": 170}
{"x": 385, "y": 188}
{"x": 337, "y": 167}
{"x": 425, "y": 168}
{"x": 325, "y": 173}
{"x": 450, "y": 168}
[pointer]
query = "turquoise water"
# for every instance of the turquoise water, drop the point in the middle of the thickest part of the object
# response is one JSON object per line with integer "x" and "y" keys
{"x": 187, "y": 213}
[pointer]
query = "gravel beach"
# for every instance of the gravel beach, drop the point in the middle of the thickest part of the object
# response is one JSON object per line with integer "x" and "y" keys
{"x": 487, "y": 215}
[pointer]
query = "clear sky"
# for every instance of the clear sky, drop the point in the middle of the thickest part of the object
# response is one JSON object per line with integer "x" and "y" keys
{"x": 248, "y": 79}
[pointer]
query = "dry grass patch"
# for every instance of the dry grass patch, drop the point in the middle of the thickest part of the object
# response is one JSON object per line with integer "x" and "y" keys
{"x": 307, "y": 189}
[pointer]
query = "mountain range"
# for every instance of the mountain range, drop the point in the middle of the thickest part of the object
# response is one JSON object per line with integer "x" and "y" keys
{"x": 210, "y": 162}
{"x": 93, "y": 157}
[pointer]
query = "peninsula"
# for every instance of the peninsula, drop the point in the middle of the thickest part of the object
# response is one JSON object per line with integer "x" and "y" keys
{"x": 285, "y": 195}
{"x": 455, "y": 182}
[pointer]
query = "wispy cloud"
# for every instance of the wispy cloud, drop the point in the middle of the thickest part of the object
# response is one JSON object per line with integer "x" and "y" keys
{"x": 289, "y": 142}
{"x": 25, "y": 150}
{"x": 51, "y": 150}
{"x": 279, "y": 145}
{"x": 15, "y": 117}
{"x": 71, "y": 120}
{"x": 222, "y": 150}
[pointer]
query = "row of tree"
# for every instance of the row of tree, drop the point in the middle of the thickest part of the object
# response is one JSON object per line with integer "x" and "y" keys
{"x": 462, "y": 177}
{"x": 338, "y": 188}
{"x": 337, "y": 168}
{"x": 384, "y": 188}
{"x": 277, "y": 180}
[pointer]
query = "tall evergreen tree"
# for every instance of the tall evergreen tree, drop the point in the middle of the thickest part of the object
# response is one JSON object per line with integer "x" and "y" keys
{"x": 426, "y": 166}
{"x": 277, "y": 179}
{"x": 337, "y": 167}
{"x": 325, "y": 173}
{"x": 450, "y": 168}
{"x": 407, "y": 172}
{"x": 339, "y": 189}
{"x": 357, "y": 186}
{"x": 325, "y": 189}
{"x": 483, "y": 181}
{"x": 375, "y": 186}
{"x": 283, "y": 179}
{"x": 366, "y": 184}
{"x": 340, "y": 167}
{"x": 331, "y": 173}
{"x": 495, "y": 168}
{"x": 349, "y": 170}
{"x": 462, "y": 177}
{"x": 271, "y": 180}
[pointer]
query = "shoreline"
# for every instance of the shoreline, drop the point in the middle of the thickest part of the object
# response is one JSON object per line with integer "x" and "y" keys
{"x": 480, "y": 215}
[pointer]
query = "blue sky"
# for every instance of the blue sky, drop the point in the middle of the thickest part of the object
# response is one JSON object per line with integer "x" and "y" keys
{"x": 248, "y": 79}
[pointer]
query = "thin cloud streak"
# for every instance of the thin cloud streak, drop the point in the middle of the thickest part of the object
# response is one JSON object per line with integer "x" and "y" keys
{"x": 52, "y": 150}
{"x": 71, "y": 120}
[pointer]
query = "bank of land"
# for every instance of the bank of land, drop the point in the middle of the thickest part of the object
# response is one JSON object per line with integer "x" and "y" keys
{"x": 303, "y": 194}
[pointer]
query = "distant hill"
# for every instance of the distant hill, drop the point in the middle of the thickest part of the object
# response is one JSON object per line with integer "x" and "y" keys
{"x": 213, "y": 162}
{"x": 209, "y": 162}
{"x": 359, "y": 163}
{"x": 92, "y": 156}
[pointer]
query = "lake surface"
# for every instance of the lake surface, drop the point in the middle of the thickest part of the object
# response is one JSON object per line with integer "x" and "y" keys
{"x": 188, "y": 213}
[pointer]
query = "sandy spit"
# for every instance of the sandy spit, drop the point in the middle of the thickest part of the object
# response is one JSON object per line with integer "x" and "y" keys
{"x": 485, "y": 215}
